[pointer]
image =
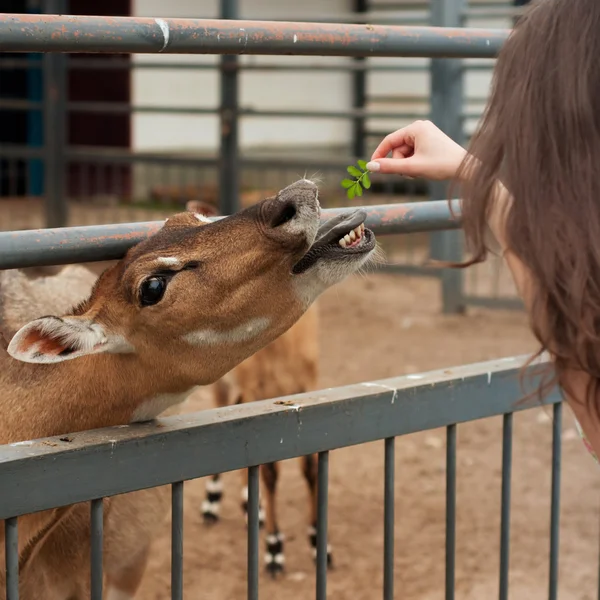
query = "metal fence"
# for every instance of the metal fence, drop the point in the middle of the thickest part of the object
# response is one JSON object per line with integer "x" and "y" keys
{"x": 83, "y": 468}
{"x": 101, "y": 175}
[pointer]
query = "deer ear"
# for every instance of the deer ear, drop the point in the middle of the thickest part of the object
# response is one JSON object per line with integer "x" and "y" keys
{"x": 55, "y": 339}
{"x": 199, "y": 207}
{"x": 186, "y": 220}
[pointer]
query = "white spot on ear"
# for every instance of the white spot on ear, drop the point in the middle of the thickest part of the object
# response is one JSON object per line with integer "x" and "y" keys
{"x": 245, "y": 332}
{"x": 153, "y": 407}
{"x": 169, "y": 261}
{"x": 202, "y": 218}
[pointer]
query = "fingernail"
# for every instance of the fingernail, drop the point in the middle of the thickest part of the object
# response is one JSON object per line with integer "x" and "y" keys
{"x": 373, "y": 166}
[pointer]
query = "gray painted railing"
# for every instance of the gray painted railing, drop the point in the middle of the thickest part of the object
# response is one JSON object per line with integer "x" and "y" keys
{"x": 42, "y": 474}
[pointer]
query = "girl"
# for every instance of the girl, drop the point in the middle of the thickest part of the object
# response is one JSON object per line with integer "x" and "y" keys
{"x": 531, "y": 177}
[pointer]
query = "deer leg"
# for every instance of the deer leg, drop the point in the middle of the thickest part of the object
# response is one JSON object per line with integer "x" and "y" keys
{"x": 261, "y": 512}
{"x": 309, "y": 470}
{"x": 274, "y": 556}
{"x": 211, "y": 507}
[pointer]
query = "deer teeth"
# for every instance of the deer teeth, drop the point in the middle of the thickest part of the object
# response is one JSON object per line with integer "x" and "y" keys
{"x": 351, "y": 238}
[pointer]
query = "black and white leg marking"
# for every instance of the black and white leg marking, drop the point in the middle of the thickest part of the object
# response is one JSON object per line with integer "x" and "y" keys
{"x": 274, "y": 556}
{"x": 211, "y": 507}
{"x": 261, "y": 510}
{"x": 312, "y": 538}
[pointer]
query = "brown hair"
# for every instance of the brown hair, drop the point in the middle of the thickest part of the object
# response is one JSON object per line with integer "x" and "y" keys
{"x": 540, "y": 135}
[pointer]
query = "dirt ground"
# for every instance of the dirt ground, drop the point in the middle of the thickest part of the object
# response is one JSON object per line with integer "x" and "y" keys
{"x": 379, "y": 326}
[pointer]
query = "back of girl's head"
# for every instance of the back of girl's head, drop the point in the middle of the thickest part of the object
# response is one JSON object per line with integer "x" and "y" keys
{"x": 540, "y": 135}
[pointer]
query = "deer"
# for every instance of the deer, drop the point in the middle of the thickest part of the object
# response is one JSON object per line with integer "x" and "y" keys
{"x": 288, "y": 365}
{"x": 179, "y": 310}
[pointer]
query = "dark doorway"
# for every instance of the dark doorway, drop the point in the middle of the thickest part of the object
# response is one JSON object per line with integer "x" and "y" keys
{"x": 19, "y": 177}
{"x": 14, "y": 128}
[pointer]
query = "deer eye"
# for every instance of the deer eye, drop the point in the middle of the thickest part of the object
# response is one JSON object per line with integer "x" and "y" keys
{"x": 152, "y": 290}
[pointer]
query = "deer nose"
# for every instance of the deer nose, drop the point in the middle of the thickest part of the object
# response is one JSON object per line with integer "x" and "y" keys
{"x": 296, "y": 209}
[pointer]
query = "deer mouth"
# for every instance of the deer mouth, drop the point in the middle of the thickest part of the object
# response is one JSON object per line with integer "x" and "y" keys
{"x": 340, "y": 238}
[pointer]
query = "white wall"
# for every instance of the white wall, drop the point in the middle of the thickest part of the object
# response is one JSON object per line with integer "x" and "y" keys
{"x": 264, "y": 90}
{"x": 328, "y": 91}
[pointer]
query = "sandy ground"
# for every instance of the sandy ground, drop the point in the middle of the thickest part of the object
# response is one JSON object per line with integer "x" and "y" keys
{"x": 374, "y": 327}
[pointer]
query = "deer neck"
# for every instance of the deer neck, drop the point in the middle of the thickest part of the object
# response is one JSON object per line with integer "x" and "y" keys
{"x": 96, "y": 391}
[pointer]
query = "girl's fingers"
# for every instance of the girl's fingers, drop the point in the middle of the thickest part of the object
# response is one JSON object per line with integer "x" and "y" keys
{"x": 390, "y": 142}
{"x": 404, "y": 151}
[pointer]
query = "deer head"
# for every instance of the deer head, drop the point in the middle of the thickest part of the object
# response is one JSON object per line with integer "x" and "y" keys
{"x": 198, "y": 297}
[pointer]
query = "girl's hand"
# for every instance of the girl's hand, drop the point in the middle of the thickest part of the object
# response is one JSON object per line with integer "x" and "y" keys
{"x": 418, "y": 150}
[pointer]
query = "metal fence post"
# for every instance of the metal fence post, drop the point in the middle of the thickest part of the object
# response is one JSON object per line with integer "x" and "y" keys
{"x": 446, "y": 113}
{"x": 359, "y": 94}
{"x": 55, "y": 130}
{"x": 229, "y": 175}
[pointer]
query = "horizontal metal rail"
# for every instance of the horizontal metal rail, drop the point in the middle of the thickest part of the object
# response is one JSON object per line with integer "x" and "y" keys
{"x": 50, "y": 33}
{"x": 114, "y": 156}
{"x": 120, "y": 108}
{"x": 67, "y": 245}
{"x": 111, "y": 64}
{"x": 195, "y": 445}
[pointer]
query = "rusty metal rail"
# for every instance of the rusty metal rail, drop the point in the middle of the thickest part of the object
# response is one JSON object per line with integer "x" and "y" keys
{"x": 51, "y": 33}
{"x": 65, "y": 245}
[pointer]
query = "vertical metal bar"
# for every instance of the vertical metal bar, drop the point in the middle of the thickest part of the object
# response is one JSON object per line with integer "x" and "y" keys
{"x": 359, "y": 95}
{"x": 55, "y": 125}
{"x": 97, "y": 535}
{"x": 322, "y": 498}
{"x": 507, "y": 433}
{"x": 11, "y": 541}
{"x": 450, "y": 510}
{"x": 177, "y": 540}
{"x": 229, "y": 165}
{"x": 388, "y": 520}
{"x": 34, "y": 117}
{"x": 253, "y": 527}
{"x": 446, "y": 109}
{"x": 555, "y": 501}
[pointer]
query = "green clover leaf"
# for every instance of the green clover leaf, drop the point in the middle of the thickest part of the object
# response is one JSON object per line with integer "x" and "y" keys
{"x": 354, "y": 187}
